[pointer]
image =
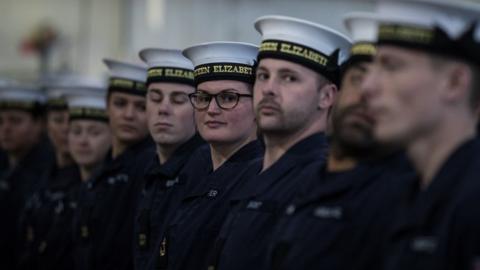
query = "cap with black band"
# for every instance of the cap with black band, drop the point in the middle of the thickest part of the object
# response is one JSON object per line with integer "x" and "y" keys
{"x": 87, "y": 101}
{"x": 126, "y": 77}
{"x": 18, "y": 96}
{"x": 314, "y": 46}
{"x": 167, "y": 65}
{"x": 223, "y": 60}
{"x": 439, "y": 27}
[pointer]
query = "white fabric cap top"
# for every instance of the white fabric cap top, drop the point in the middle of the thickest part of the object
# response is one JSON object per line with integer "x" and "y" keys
{"x": 362, "y": 26}
{"x": 20, "y": 92}
{"x": 124, "y": 70}
{"x": 94, "y": 101}
{"x": 74, "y": 83}
{"x": 157, "y": 57}
{"x": 222, "y": 52}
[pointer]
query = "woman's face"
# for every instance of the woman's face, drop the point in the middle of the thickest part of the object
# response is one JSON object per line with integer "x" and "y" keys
{"x": 89, "y": 141}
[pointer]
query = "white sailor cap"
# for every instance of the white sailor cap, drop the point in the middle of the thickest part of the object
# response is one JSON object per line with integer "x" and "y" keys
{"x": 60, "y": 87}
{"x": 363, "y": 29}
{"x": 21, "y": 96}
{"x": 126, "y": 77}
{"x": 436, "y": 26}
{"x": 87, "y": 101}
{"x": 315, "y": 46}
{"x": 167, "y": 65}
{"x": 223, "y": 60}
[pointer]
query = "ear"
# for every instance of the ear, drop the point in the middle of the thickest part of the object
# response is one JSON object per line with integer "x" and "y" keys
{"x": 458, "y": 83}
{"x": 327, "y": 96}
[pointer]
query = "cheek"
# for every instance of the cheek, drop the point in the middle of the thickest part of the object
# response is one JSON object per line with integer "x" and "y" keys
{"x": 242, "y": 115}
{"x": 184, "y": 116}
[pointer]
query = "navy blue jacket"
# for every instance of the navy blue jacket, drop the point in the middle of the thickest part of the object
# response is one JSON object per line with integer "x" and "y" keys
{"x": 439, "y": 227}
{"x": 245, "y": 235}
{"x": 16, "y": 186}
{"x": 46, "y": 221}
{"x": 344, "y": 219}
{"x": 103, "y": 221}
{"x": 160, "y": 198}
{"x": 192, "y": 231}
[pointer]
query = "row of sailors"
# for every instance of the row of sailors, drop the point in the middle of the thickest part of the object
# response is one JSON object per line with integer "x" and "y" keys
{"x": 238, "y": 172}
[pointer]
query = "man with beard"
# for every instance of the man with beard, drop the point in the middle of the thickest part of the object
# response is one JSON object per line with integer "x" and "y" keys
{"x": 424, "y": 92}
{"x": 294, "y": 90}
{"x": 341, "y": 220}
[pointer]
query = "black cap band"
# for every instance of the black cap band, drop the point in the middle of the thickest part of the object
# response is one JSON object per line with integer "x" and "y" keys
{"x": 30, "y": 106}
{"x": 57, "y": 104}
{"x": 170, "y": 74}
{"x": 303, "y": 55}
{"x": 127, "y": 86}
{"x": 79, "y": 113}
{"x": 224, "y": 71}
{"x": 434, "y": 40}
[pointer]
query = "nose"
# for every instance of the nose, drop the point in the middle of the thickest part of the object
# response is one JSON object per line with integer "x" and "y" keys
{"x": 164, "y": 107}
{"x": 370, "y": 85}
{"x": 213, "y": 107}
{"x": 129, "y": 111}
{"x": 268, "y": 87}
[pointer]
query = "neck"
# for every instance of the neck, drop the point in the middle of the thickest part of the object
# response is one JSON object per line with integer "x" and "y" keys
{"x": 222, "y": 152}
{"x": 164, "y": 152}
{"x": 276, "y": 145}
{"x": 15, "y": 157}
{"x": 429, "y": 153}
{"x": 337, "y": 162}
{"x": 63, "y": 159}
{"x": 86, "y": 172}
{"x": 118, "y": 147}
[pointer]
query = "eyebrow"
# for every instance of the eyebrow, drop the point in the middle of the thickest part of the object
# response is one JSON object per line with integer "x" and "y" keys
{"x": 222, "y": 90}
{"x": 159, "y": 91}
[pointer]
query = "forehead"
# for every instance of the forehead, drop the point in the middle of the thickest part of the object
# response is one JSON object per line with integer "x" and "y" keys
{"x": 6, "y": 113}
{"x": 127, "y": 97}
{"x": 166, "y": 88}
{"x": 389, "y": 51}
{"x": 278, "y": 64}
{"x": 213, "y": 87}
{"x": 87, "y": 123}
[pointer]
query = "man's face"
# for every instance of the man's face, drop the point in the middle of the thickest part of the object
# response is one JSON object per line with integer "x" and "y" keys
{"x": 57, "y": 127}
{"x": 127, "y": 117}
{"x": 286, "y": 96}
{"x": 19, "y": 131}
{"x": 169, "y": 113}
{"x": 226, "y": 126}
{"x": 351, "y": 121}
{"x": 403, "y": 92}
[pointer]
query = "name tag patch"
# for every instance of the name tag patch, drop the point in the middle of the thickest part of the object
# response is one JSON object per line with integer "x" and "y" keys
{"x": 328, "y": 212}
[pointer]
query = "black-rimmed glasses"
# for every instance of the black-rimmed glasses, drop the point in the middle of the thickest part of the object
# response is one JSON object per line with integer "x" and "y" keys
{"x": 225, "y": 100}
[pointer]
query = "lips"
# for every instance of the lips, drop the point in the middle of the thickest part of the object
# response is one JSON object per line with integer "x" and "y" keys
{"x": 127, "y": 128}
{"x": 214, "y": 124}
{"x": 268, "y": 107}
{"x": 162, "y": 125}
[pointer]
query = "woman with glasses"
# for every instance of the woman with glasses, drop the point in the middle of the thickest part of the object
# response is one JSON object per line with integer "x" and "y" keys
{"x": 224, "y": 76}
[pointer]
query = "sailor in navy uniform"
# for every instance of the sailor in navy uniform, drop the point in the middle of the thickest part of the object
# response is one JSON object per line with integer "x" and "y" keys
{"x": 224, "y": 74}
{"x": 294, "y": 89}
{"x": 29, "y": 152}
{"x": 105, "y": 214}
{"x": 47, "y": 217}
{"x": 172, "y": 126}
{"x": 423, "y": 91}
{"x": 342, "y": 219}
